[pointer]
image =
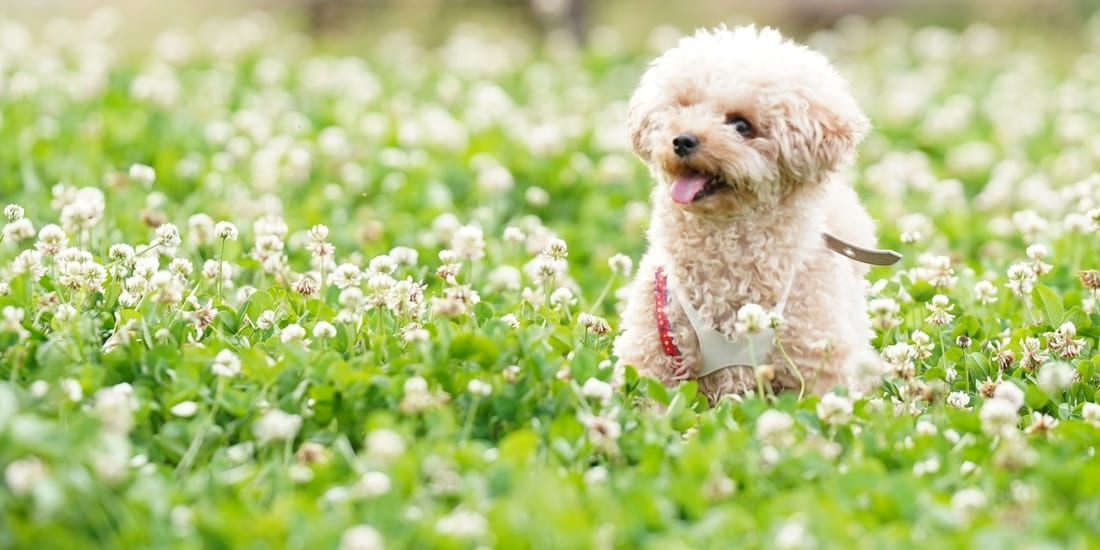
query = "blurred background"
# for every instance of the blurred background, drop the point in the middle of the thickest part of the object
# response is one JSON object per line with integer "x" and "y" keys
{"x": 357, "y": 22}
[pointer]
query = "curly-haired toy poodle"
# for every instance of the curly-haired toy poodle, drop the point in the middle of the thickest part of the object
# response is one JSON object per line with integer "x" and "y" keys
{"x": 754, "y": 275}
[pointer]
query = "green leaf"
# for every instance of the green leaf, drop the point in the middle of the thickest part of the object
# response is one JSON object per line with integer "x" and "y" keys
{"x": 1050, "y": 304}
{"x": 482, "y": 313}
{"x": 656, "y": 390}
{"x": 1035, "y": 397}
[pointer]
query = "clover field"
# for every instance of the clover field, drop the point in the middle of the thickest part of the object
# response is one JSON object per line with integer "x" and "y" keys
{"x": 262, "y": 293}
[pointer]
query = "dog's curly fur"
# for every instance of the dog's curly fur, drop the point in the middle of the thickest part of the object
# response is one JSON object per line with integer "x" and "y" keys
{"x": 763, "y": 223}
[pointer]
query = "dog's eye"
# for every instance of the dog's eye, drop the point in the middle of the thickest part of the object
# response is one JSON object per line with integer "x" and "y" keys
{"x": 741, "y": 125}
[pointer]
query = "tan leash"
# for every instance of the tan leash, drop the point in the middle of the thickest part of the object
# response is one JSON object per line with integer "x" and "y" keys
{"x": 873, "y": 256}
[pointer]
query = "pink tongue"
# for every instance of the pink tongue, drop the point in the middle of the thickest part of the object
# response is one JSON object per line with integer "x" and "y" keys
{"x": 685, "y": 188}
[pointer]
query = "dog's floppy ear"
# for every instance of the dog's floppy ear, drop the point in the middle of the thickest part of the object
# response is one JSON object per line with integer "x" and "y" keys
{"x": 638, "y": 121}
{"x": 823, "y": 136}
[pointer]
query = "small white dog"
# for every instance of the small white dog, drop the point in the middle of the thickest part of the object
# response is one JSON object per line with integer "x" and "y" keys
{"x": 754, "y": 273}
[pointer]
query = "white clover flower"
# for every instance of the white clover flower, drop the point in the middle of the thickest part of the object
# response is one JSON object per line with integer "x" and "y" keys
{"x": 1021, "y": 279}
{"x": 23, "y": 475}
{"x": 1094, "y": 217}
{"x": 404, "y": 255}
{"x": 939, "y": 309}
{"x": 306, "y": 285}
{"x": 266, "y": 319}
{"x": 514, "y": 234}
{"x": 71, "y": 388}
{"x": 181, "y": 268}
{"x": 594, "y": 323}
{"x": 1037, "y": 252}
{"x": 463, "y": 524}
{"x": 544, "y": 270}
{"x": 922, "y": 345}
{"x": 226, "y": 231}
{"x": 85, "y": 211}
{"x": 64, "y": 312}
{"x": 595, "y": 475}
{"x": 384, "y": 446}
{"x": 276, "y": 425}
{"x": 793, "y": 535}
{"x": 37, "y": 389}
{"x": 751, "y": 318}
{"x": 1054, "y": 377}
{"x": 511, "y": 320}
{"x": 29, "y": 262}
{"x": 1041, "y": 423}
{"x": 561, "y": 297}
{"x": 373, "y": 484}
{"x": 930, "y": 465}
{"x": 925, "y": 428}
{"x": 775, "y": 428}
{"x": 168, "y": 237}
{"x": 18, "y": 230}
{"x": 834, "y": 409}
{"x": 346, "y": 275}
{"x": 200, "y": 227}
{"x": 967, "y": 502}
{"x": 13, "y": 212}
{"x": 495, "y": 179}
{"x": 936, "y": 270}
{"x": 536, "y": 196}
{"x": 323, "y": 329}
{"x": 1011, "y": 393}
{"x": 1063, "y": 343}
{"x": 597, "y": 390}
{"x": 293, "y": 333}
{"x": 505, "y": 278}
{"x": 985, "y": 293}
{"x": 468, "y": 242}
{"x": 114, "y": 406}
{"x": 958, "y": 399}
{"x": 556, "y": 249}
{"x": 226, "y": 364}
{"x": 602, "y": 431}
{"x": 165, "y": 288}
{"x": 213, "y": 270}
{"x": 621, "y": 264}
{"x": 998, "y": 416}
{"x": 318, "y": 233}
{"x": 883, "y": 313}
{"x": 479, "y": 388}
{"x": 51, "y": 240}
{"x": 414, "y": 332}
{"x": 1090, "y": 412}
{"x": 362, "y": 537}
{"x": 143, "y": 174}
{"x": 382, "y": 264}
{"x": 1029, "y": 223}
{"x": 184, "y": 409}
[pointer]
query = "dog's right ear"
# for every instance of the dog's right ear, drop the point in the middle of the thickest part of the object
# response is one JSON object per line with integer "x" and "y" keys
{"x": 639, "y": 122}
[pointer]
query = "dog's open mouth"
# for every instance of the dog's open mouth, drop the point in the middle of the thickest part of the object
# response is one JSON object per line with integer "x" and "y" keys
{"x": 695, "y": 186}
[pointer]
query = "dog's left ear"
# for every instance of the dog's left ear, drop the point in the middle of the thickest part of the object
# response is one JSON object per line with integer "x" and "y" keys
{"x": 824, "y": 136}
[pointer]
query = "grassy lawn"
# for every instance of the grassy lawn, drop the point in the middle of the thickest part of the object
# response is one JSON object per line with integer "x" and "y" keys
{"x": 259, "y": 293}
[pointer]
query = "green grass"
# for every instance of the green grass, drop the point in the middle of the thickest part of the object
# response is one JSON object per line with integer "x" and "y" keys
{"x": 457, "y": 400}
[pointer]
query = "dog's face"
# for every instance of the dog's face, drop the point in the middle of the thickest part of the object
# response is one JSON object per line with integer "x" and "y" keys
{"x": 732, "y": 117}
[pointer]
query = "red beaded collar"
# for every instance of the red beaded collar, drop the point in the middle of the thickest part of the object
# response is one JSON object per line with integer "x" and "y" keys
{"x": 664, "y": 330}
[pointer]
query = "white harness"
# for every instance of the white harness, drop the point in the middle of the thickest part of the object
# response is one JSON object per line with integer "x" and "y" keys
{"x": 720, "y": 351}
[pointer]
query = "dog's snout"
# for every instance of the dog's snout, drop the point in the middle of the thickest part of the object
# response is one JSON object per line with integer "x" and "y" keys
{"x": 685, "y": 144}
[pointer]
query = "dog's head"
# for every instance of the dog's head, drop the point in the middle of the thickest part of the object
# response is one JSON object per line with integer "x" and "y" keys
{"x": 729, "y": 117}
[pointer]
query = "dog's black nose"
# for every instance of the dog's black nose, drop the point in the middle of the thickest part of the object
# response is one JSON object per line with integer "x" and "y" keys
{"x": 685, "y": 144}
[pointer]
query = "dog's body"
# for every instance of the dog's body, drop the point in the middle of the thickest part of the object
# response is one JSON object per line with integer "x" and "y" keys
{"x": 743, "y": 131}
